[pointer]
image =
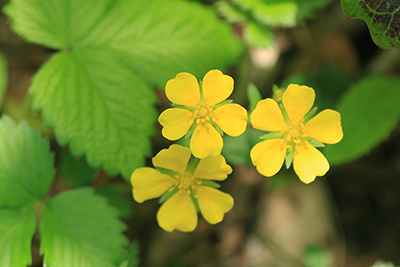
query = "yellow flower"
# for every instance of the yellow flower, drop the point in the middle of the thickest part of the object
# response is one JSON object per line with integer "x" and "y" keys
{"x": 202, "y": 112}
{"x": 294, "y": 135}
{"x": 186, "y": 183}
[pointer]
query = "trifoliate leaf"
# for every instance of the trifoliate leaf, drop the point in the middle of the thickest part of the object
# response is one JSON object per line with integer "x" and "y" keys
{"x": 94, "y": 92}
{"x": 381, "y": 16}
{"x": 26, "y": 165}
{"x": 17, "y": 227}
{"x": 3, "y": 78}
{"x": 87, "y": 96}
{"x": 369, "y": 112}
{"x": 276, "y": 13}
{"x": 75, "y": 170}
{"x": 79, "y": 228}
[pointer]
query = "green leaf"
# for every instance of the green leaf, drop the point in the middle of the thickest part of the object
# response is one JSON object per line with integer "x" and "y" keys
{"x": 79, "y": 229}
{"x": 370, "y": 111}
{"x": 257, "y": 35}
{"x": 26, "y": 165}
{"x": 254, "y": 96}
{"x": 276, "y": 13}
{"x": 95, "y": 110}
{"x": 56, "y": 24}
{"x": 117, "y": 198}
{"x": 16, "y": 231}
{"x": 3, "y": 78}
{"x": 134, "y": 259}
{"x": 76, "y": 171}
{"x": 231, "y": 13}
{"x": 381, "y": 16}
{"x": 307, "y": 8}
{"x": 94, "y": 92}
{"x": 237, "y": 149}
{"x": 316, "y": 256}
{"x": 158, "y": 38}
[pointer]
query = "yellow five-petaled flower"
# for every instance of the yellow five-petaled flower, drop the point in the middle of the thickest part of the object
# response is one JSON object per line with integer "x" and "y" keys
{"x": 294, "y": 134}
{"x": 186, "y": 183}
{"x": 202, "y": 111}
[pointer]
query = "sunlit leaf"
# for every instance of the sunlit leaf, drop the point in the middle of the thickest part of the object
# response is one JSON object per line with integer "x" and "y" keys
{"x": 26, "y": 165}
{"x": 257, "y": 35}
{"x": 381, "y": 16}
{"x": 78, "y": 228}
{"x": 231, "y": 13}
{"x": 96, "y": 91}
{"x": 56, "y": 24}
{"x": 157, "y": 43}
{"x": 95, "y": 109}
{"x": 17, "y": 227}
{"x": 271, "y": 12}
{"x": 369, "y": 111}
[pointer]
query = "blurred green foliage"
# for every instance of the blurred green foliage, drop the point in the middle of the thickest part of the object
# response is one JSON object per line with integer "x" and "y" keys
{"x": 3, "y": 78}
{"x": 260, "y": 17}
{"x": 370, "y": 112}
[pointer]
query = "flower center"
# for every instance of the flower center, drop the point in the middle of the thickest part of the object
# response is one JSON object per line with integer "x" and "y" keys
{"x": 187, "y": 183}
{"x": 202, "y": 113}
{"x": 294, "y": 133}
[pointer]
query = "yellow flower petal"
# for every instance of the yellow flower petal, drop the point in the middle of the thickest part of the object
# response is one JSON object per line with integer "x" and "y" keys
{"x": 231, "y": 118}
{"x": 298, "y": 100}
{"x": 213, "y": 168}
{"x": 213, "y": 204}
{"x": 309, "y": 162}
{"x": 216, "y": 87}
{"x": 175, "y": 158}
{"x": 183, "y": 90}
{"x": 176, "y": 122}
{"x": 149, "y": 183}
{"x": 206, "y": 141}
{"x": 178, "y": 213}
{"x": 268, "y": 156}
{"x": 267, "y": 116}
{"x": 325, "y": 127}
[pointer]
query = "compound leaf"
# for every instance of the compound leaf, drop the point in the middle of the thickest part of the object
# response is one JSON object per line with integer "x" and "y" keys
{"x": 95, "y": 92}
{"x": 79, "y": 228}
